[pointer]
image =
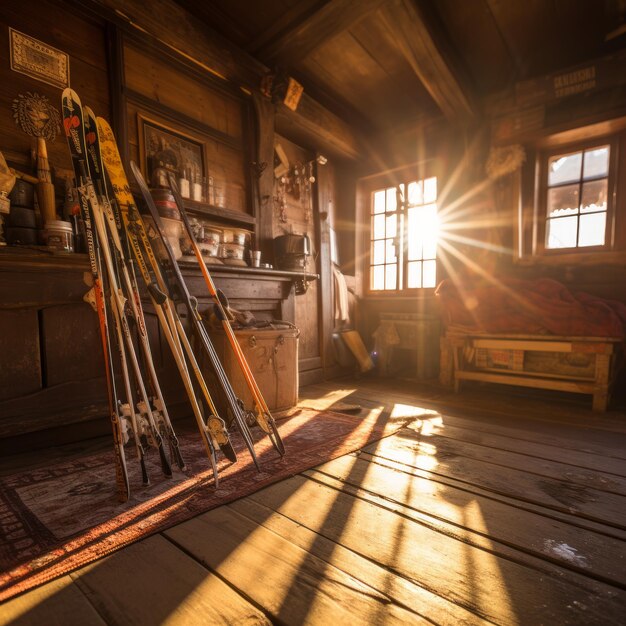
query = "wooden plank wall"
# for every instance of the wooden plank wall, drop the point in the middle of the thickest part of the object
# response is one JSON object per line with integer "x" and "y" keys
{"x": 296, "y": 221}
{"x": 83, "y": 40}
{"x": 167, "y": 94}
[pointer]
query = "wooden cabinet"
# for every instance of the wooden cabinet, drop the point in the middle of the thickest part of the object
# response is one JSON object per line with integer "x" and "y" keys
{"x": 51, "y": 366}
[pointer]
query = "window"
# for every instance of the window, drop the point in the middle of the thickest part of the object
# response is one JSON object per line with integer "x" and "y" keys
{"x": 572, "y": 206}
{"x": 403, "y": 236}
{"x": 577, "y": 198}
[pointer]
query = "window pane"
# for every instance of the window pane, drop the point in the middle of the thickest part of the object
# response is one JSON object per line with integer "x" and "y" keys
{"x": 378, "y": 252}
{"x": 378, "y": 277}
{"x": 592, "y": 229}
{"x": 391, "y": 199}
{"x": 414, "y": 278}
{"x": 561, "y": 232}
{"x": 378, "y": 227}
{"x": 416, "y": 192}
{"x": 430, "y": 248}
{"x": 391, "y": 272}
{"x": 431, "y": 230}
{"x": 594, "y": 195}
{"x": 390, "y": 251}
{"x": 563, "y": 201}
{"x": 430, "y": 274}
{"x": 564, "y": 168}
{"x": 596, "y": 162}
{"x": 379, "y": 202}
{"x": 414, "y": 235}
{"x": 392, "y": 225}
{"x": 422, "y": 232}
{"x": 430, "y": 190}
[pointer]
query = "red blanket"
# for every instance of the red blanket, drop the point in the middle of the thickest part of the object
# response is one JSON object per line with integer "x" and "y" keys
{"x": 541, "y": 306}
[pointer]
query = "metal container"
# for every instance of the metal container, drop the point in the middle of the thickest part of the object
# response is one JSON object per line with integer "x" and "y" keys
{"x": 235, "y": 236}
{"x": 291, "y": 251}
{"x": 22, "y": 194}
{"x": 59, "y": 235}
{"x": 165, "y": 203}
{"x": 22, "y": 217}
{"x": 232, "y": 251}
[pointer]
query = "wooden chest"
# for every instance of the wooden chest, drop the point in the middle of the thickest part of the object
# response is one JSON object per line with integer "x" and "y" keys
{"x": 273, "y": 357}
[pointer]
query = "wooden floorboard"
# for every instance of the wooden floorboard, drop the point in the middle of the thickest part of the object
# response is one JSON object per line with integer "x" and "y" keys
{"x": 153, "y": 582}
{"x": 494, "y": 588}
{"x": 455, "y": 511}
{"x": 569, "y": 497}
{"x": 58, "y": 603}
{"x": 487, "y": 508}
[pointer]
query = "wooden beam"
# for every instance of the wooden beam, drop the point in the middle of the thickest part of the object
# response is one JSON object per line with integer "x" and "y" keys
{"x": 414, "y": 38}
{"x": 316, "y": 127}
{"x": 331, "y": 19}
{"x": 203, "y": 48}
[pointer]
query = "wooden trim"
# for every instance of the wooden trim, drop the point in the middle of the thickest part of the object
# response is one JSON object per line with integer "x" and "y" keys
{"x": 311, "y": 377}
{"x": 314, "y": 362}
{"x": 528, "y": 381}
{"x": 152, "y": 106}
{"x": 512, "y": 344}
{"x": 321, "y": 200}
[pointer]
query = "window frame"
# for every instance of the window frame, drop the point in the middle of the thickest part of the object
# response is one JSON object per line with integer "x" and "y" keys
{"x": 541, "y": 214}
{"x": 384, "y": 183}
{"x": 529, "y": 238}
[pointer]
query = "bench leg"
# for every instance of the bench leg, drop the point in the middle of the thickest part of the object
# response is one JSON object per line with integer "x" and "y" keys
{"x": 600, "y": 401}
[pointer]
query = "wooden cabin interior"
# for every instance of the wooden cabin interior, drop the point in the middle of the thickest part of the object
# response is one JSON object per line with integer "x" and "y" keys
{"x": 414, "y": 215}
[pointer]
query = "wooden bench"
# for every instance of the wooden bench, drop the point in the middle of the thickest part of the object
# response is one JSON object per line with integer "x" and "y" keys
{"x": 575, "y": 364}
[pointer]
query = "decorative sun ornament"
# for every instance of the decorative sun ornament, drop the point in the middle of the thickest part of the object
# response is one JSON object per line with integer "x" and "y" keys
{"x": 36, "y": 116}
{"x": 504, "y": 160}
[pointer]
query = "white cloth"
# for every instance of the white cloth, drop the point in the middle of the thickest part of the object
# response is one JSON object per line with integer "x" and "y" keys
{"x": 342, "y": 312}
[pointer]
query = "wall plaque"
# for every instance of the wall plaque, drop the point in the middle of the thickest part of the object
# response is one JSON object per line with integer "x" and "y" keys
{"x": 38, "y": 60}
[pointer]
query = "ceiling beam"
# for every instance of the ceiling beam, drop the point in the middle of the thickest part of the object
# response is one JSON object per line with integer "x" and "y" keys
{"x": 429, "y": 59}
{"x": 210, "y": 52}
{"x": 333, "y": 18}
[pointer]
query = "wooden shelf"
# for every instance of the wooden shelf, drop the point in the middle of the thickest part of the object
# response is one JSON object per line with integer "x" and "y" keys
{"x": 222, "y": 213}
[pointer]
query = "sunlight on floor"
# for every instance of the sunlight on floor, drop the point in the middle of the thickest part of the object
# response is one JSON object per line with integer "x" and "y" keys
{"x": 285, "y": 572}
{"x": 326, "y": 401}
{"x": 400, "y": 411}
{"x": 483, "y": 566}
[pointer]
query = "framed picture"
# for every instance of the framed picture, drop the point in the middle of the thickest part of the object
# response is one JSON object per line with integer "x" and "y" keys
{"x": 161, "y": 146}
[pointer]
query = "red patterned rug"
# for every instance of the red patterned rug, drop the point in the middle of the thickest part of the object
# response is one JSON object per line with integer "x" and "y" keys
{"x": 60, "y": 518}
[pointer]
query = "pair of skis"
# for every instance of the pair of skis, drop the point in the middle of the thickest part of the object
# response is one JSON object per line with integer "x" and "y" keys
{"x": 260, "y": 413}
{"x": 143, "y": 243}
{"x": 114, "y": 229}
{"x": 114, "y": 295}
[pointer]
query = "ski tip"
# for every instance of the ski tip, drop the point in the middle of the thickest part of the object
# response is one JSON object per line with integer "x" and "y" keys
{"x": 137, "y": 174}
{"x": 70, "y": 94}
{"x": 103, "y": 124}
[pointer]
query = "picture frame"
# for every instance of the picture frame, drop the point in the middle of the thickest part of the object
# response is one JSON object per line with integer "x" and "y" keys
{"x": 165, "y": 146}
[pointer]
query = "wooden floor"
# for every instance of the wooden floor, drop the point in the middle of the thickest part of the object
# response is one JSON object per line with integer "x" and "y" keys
{"x": 492, "y": 506}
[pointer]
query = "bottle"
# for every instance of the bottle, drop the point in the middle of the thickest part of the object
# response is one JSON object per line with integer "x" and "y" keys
{"x": 183, "y": 183}
{"x": 196, "y": 185}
